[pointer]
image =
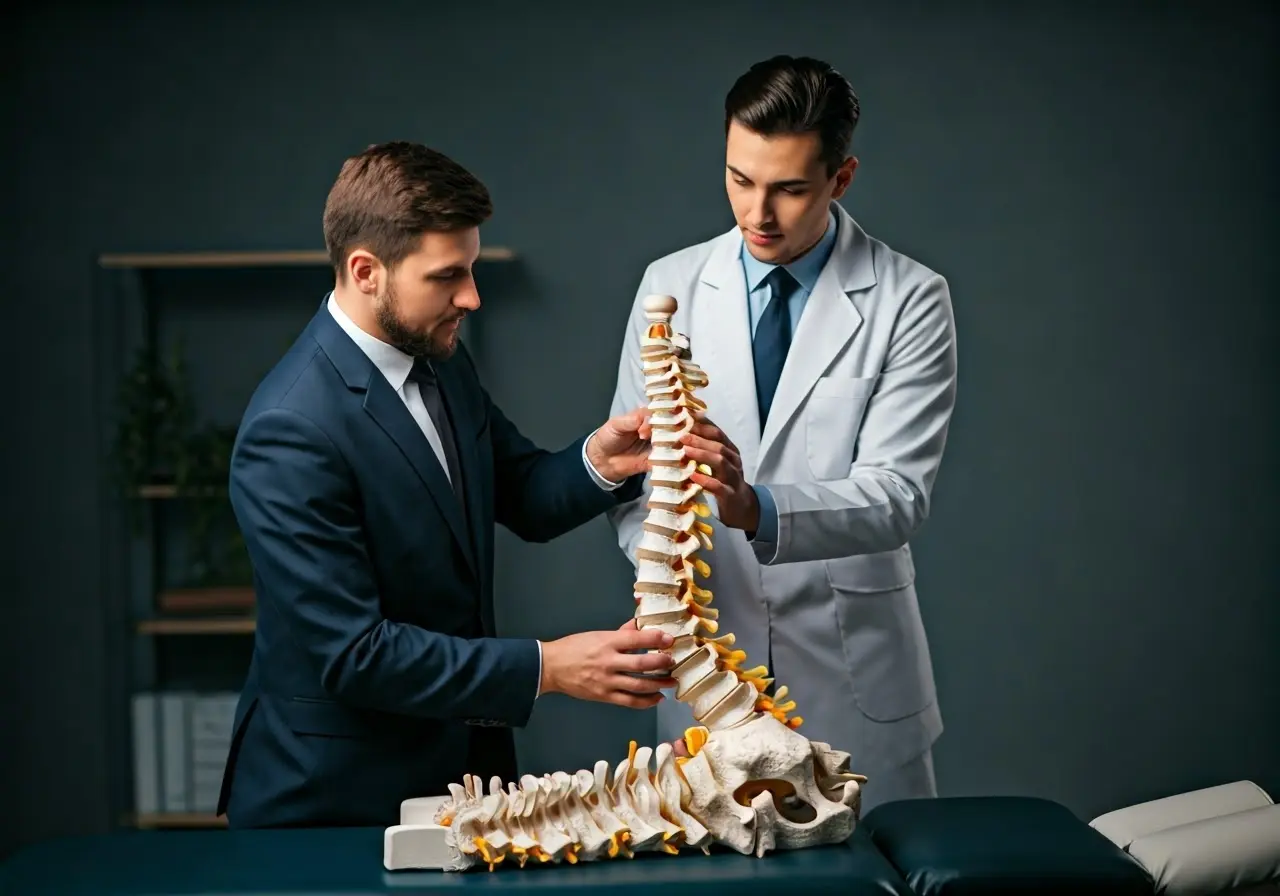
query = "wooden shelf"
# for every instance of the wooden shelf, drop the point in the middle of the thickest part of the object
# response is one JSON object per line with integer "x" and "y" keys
{"x": 166, "y": 492}
{"x": 206, "y": 599}
{"x": 208, "y": 625}
{"x": 177, "y": 820}
{"x": 286, "y": 258}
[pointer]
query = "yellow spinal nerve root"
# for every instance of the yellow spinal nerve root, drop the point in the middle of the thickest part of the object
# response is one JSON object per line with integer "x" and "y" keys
{"x": 710, "y": 675}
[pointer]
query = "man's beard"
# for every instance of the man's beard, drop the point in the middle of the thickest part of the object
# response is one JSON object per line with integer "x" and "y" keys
{"x": 398, "y": 334}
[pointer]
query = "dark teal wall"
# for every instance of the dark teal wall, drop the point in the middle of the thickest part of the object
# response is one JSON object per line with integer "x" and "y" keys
{"x": 1099, "y": 187}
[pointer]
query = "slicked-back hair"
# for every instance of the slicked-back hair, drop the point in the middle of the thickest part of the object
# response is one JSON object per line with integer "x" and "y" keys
{"x": 386, "y": 198}
{"x": 796, "y": 95}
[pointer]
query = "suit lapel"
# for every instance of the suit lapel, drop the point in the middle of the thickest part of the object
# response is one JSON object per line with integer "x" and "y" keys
{"x": 389, "y": 412}
{"x": 829, "y": 321}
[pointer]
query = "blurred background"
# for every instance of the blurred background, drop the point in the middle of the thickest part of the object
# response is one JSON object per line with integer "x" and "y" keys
{"x": 1097, "y": 181}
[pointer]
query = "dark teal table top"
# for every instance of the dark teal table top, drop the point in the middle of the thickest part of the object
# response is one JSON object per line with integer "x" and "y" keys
{"x": 348, "y": 862}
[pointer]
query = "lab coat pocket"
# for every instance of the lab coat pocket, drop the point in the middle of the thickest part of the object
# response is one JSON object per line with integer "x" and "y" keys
{"x": 888, "y": 655}
{"x": 869, "y": 573}
{"x": 832, "y": 418}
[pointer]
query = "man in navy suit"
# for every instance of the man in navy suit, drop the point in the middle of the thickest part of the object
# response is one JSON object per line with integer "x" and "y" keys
{"x": 368, "y": 473}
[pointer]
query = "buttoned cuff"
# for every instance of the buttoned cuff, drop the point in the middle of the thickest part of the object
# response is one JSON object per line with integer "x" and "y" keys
{"x": 599, "y": 480}
{"x": 765, "y": 542}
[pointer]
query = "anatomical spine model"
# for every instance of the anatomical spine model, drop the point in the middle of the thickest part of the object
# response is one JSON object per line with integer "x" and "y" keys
{"x": 751, "y": 782}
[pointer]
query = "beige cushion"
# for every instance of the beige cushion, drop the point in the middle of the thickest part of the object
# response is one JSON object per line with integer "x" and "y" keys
{"x": 1219, "y": 840}
{"x": 1123, "y": 826}
{"x": 1213, "y": 855}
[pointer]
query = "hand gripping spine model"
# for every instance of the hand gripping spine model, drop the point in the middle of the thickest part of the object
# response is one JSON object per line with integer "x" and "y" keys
{"x": 750, "y": 783}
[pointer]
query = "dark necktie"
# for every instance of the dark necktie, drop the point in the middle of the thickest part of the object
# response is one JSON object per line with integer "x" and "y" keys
{"x": 429, "y": 388}
{"x": 772, "y": 339}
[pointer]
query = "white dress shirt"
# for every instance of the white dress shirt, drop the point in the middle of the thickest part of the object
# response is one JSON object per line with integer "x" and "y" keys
{"x": 396, "y": 366}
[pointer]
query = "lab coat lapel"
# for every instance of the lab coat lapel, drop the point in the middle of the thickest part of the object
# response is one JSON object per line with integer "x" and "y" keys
{"x": 720, "y": 339}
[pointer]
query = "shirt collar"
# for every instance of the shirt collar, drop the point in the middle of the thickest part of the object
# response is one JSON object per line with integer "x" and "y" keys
{"x": 805, "y": 269}
{"x": 394, "y": 364}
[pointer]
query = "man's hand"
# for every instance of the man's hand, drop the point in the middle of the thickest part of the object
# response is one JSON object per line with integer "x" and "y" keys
{"x": 707, "y": 444}
{"x": 620, "y": 448}
{"x": 598, "y": 666}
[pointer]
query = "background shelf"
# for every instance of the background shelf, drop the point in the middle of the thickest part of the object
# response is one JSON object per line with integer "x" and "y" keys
{"x": 161, "y": 492}
{"x": 208, "y": 626}
{"x": 179, "y": 600}
{"x": 184, "y": 339}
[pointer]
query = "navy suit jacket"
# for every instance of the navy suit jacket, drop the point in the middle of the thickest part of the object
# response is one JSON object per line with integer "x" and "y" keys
{"x": 376, "y": 673}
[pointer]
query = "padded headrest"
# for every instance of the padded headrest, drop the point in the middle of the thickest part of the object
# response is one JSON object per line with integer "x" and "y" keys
{"x": 1217, "y": 840}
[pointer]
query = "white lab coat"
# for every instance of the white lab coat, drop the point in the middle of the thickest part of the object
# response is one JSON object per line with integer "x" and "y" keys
{"x": 853, "y": 443}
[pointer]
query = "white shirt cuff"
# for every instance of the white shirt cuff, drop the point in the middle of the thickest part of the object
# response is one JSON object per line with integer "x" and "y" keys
{"x": 605, "y": 484}
{"x": 538, "y": 690}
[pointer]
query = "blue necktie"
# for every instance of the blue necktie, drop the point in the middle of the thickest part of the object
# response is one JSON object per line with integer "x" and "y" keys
{"x": 773, "y": 339}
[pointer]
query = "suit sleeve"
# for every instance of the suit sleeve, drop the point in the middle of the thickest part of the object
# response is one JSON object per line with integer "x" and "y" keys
{"x": 540, "y": 495}
{"x": 296, "y": 501}
{"x": 885, "y": 498}
{"x": 627, "y": 517}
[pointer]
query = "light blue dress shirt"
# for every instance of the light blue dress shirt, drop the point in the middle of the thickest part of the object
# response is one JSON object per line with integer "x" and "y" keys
{"x": 806, "y": 270}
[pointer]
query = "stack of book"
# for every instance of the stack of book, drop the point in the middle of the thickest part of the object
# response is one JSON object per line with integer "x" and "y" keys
{"x": 181, "y": 740}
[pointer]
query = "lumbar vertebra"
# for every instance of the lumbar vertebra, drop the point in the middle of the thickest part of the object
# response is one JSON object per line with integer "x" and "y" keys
{"x": 751, "y": 782}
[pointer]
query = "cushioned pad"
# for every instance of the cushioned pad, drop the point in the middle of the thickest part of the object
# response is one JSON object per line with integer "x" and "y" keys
{"x": 1123, "y": 826}
{"x": 1213, "y": 855}
{"x": 998, "y": 845}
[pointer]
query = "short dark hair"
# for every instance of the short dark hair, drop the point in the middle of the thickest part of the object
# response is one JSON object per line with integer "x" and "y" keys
{"x": 794, "y": 95}
{"x": 388, "y": 196}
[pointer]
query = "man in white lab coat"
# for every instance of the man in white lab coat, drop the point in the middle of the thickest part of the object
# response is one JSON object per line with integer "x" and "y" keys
{"x": 832, "y": 361}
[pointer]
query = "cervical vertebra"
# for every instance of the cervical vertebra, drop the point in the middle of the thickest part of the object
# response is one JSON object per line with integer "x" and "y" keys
{"x": 751, "y": 782}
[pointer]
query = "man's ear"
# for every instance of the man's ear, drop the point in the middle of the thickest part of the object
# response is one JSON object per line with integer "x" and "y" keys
{"x": 365, "y": 272}
{"x": 844, "y": 176}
